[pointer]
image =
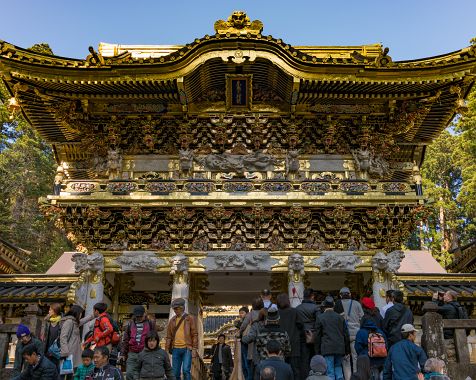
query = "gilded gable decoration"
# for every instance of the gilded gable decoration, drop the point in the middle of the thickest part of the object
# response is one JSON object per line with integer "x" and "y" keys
{"x": 239, "y": 23}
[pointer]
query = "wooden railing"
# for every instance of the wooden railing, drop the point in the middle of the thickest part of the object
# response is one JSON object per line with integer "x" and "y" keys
{"x": 435, "y": 345}
{"x": 199, "y": 369}
{"x": 7, "y": 330}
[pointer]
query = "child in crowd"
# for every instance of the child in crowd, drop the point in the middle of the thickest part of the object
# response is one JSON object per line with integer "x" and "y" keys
{"x": 154, "y": 362}
{"x": 87, "y": 367}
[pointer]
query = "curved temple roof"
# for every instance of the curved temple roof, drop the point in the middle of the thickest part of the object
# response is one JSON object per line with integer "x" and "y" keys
{"x": 360, "y": 82}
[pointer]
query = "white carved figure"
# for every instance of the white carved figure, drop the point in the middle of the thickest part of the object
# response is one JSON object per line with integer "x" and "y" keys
{"x": 95, "y": 262}
{"x": 338, "y": 261}
{"x": 296, "y": 274}
{"x": 296, "y": 264}
{"x": 179, "y": 265}
{"x": 138, "y": 261}
{"x": 180, "y": 287}
{"x": 394, "y": 260}
{"x": 236, "y": 260}
{"x": 80, "y": 262}
{"x": 380, "y": 262}
{"x": 114, "y": 164}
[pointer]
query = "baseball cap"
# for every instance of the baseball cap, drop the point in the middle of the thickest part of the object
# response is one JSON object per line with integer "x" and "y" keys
{"x": 407, "y": 327}
{"x": 345, "y": 290}
{"x": 138, "y": 311}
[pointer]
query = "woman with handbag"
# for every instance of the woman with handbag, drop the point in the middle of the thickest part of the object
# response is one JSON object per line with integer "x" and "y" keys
{"x": 51, "y": 332}
{"x": 70, "y": 341}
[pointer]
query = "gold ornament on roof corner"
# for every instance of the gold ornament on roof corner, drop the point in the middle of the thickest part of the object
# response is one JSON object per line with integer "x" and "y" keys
{"x": 238, "y": 23}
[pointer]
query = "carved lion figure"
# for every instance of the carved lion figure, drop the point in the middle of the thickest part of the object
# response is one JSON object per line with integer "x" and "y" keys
{"x": 380, "y": 262}
{"x": 296, "y": 263}
{"x": 95, "y": 262}
{"x": 394, "y": 260}
{"x": 80, "y": 262}
{"x": 179, "y": 264}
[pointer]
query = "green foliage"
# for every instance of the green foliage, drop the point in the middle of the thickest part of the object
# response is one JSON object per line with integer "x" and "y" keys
{"x": 27, "y": 169}
{"x": 449, "y": 179}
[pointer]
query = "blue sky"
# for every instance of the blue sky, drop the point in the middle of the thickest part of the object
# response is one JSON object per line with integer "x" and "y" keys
{"x": 410, "y": 28}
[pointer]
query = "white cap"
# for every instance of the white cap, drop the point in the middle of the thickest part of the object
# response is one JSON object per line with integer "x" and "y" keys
{"x": 407, "y": 328}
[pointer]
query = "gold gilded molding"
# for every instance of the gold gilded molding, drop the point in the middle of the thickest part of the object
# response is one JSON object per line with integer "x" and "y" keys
{"x": 239, "y": 23}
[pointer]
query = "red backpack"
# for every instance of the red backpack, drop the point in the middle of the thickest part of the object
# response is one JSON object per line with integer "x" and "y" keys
{"x": 377, "y": 346}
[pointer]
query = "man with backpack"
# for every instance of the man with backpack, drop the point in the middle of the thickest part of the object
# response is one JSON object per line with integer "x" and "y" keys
{"x": 133, "y": 340}
{"x": 449, "y": 308}
{"x": 104, "y": 332}
{"x": 370, "y": 341}
{"x": 182, "y": 340}
{"x": 395, "y": 317}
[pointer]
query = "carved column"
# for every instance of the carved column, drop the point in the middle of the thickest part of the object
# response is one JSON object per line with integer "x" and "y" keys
{"x": 89, "y": 289}
{"x": 295, "y": 279}
{"x": 384, "y": 269}
{"x": 115, "y": 296}
{"x": 180, "y": 285}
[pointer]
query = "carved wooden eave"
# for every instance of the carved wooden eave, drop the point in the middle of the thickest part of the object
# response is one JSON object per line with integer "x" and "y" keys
{"x": 157, "y": 114}
{"x": 13, "y": 259}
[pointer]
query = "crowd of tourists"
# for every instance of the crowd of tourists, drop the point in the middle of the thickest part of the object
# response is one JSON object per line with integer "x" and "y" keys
{"x": 335, "y": 339}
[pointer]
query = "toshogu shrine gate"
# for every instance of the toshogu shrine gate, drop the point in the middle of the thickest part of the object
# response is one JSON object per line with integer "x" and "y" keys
{"x": 236, "y": 162}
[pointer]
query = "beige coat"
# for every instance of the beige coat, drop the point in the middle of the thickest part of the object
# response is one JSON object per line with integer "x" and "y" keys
{"x": 70, "y": 339}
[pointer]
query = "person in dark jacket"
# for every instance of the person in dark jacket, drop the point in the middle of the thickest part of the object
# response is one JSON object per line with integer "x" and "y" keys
{"x": 362, "y": 372}
{"x": 102, "y": 369}
{"x": 291, "y": 323}
{"x": 51, "y": 330}
{"x": 38, "y": 368}
{"x": 395, "y": 317}
{"x": 448, "y": 308}
{"x": 25, "y": 339}
{"x": 307, "y": 313}
{"x": 154, "y": 362}
{"x": 371, "y": 312}
{"x": 362, "y": 345}
{"x": 405, "y": 359}
{"x": 332, "y": 339}
{"x": 275, "y": 360}
{"x": 272, "y": 330}
{"x": 222, "y": 361}
{"x": 133, "y": 340}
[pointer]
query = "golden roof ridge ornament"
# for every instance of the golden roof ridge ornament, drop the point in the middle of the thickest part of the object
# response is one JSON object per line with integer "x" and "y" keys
{"x": 239, "y": 23}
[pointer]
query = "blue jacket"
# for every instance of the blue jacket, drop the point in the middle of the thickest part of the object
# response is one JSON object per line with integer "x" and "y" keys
{"x": 283, "y": 369}
{"x": 405, "y": 360}
{"x": 362, "y": 341}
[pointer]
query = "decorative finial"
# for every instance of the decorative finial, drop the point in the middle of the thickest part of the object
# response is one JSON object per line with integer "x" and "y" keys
{"x": 238, "y": 23}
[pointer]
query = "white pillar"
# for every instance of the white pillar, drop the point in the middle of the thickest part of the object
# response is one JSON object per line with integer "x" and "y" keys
{"x": 384, "y": 269}
{"x": 295, "y": 279}
{"x": 180, "y": 287}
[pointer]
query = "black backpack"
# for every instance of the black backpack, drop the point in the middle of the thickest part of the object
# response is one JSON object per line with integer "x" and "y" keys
{"x": 461, "y": 310}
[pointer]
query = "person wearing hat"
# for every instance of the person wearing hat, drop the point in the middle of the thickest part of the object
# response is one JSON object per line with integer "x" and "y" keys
{"x": 25, "y": 339}
{"x": 405, "y": 360}
{"x": 133, "y": 340}
{"x": 266, "y": 297}
{"x": 182, "y": 339}
{"x": 371, "y": 312}
{"x": 318, "y": 369}
{"x": 352, "y": 312}
{"x": 269, "y": 330}
{"x": 332, "y": 339}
